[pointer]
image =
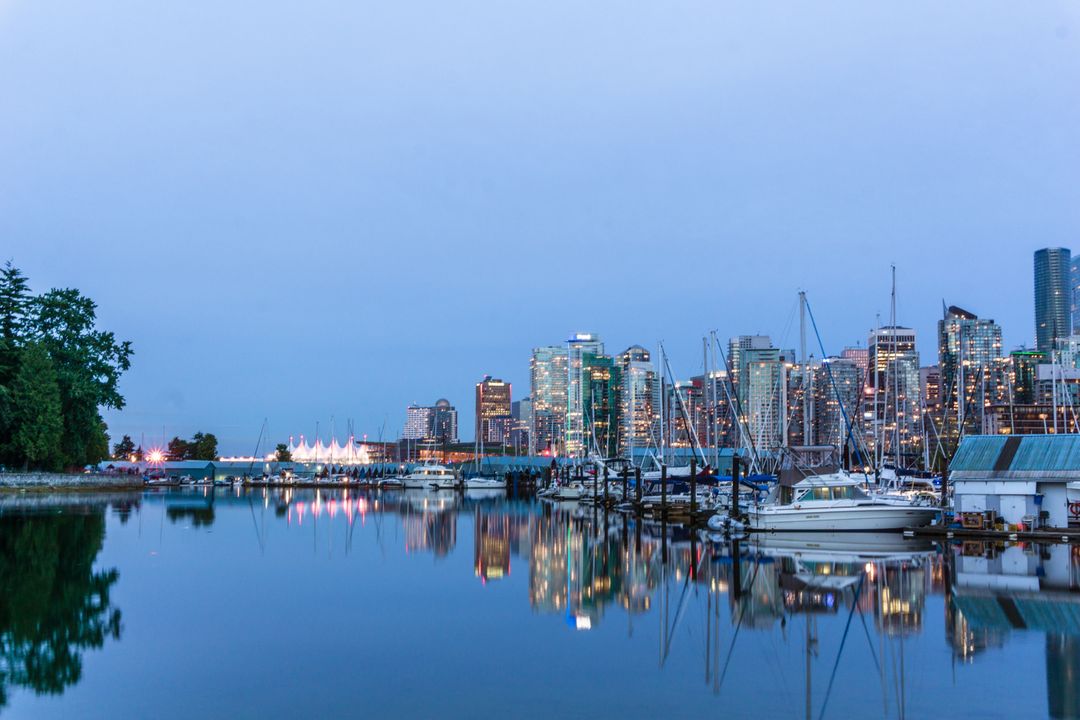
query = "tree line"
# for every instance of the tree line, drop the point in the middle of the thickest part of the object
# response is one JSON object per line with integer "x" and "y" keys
{"x": 202, "y": 446}
{"x": 57, "y": 370}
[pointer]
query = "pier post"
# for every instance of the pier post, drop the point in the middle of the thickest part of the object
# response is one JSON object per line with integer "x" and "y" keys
{"x": 693, "y": 489}
{"x": 605, "y": 486}
{"x": 663, "y": 491}
{"x": 945, "y": 484}
{"x": 734, "y": 513}
{"x": 595, "y": 481}
{"x": 625, "y": 480}
{"x": 637, "y": 486}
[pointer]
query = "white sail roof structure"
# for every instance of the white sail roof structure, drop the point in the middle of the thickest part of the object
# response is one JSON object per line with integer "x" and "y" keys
{"x": 335, "y": 453}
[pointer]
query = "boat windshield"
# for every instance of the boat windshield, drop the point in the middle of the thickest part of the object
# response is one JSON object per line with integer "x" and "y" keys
{"x": 839, "y": 492}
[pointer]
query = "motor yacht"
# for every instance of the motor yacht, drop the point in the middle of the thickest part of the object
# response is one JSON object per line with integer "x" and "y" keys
{"x": 835, "y": 502}
{"x": 430, "y": 476}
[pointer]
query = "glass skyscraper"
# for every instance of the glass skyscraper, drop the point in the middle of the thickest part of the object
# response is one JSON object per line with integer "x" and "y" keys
{"x": 1053, "y": 297}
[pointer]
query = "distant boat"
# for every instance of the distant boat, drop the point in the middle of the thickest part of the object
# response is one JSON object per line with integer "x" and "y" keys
{"x": 483, "y": 483}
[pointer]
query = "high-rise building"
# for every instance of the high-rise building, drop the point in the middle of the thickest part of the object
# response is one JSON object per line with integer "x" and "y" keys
{"x": 837, "y": 386}
{"x": 1053, "y": 297}
{"x": 638, "y": 400}
{"x": 434, "y": 423}
{"x": 1024, "y": 371}
{"x": 759, "y": 373}
{"x": 894, "y": 393}
{"x": 492, "y": 409}
{"x": 972, "y": 377}
{"x": 930, "y": 388}
{"x": 577, "y": 347}
{"x": 1074, "y": 285}
{"x": 548, "y": 376}
{"x": 521, "y": 433}
{"x": 601, "y": 376}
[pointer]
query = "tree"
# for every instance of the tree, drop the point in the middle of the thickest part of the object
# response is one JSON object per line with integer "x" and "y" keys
{"x": 282, "y": 453}
{"x": 124, "y": 449}
{"x": 14, "y": 300}
{"x": 89, "y": 363}
{"x": 203, "y": 446}
{"x": 178, "y": 449}
{"x": 36, "y": 411}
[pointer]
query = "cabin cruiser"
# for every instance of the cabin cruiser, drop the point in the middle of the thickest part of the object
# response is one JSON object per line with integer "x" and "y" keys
{"x": 430, "y": 476}
{"x": 835, "y": 502}
{"x": 573, "y": 490}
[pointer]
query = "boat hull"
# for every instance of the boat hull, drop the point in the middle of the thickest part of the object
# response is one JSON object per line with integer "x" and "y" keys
{"x": 866, "y": 518}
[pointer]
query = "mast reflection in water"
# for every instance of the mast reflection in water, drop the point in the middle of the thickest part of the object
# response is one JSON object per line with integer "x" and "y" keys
{"x": 370, "y": 592}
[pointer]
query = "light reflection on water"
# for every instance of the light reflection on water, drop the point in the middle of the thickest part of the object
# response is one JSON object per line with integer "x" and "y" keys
{"x": 420, "y": 603}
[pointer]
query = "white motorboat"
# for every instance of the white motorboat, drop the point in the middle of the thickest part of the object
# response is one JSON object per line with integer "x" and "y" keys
{"x": 570, "y": 491}
{"x": 835, "y": 502}
{"x": 438, "y": 477}
{"x": 483, "y": 483}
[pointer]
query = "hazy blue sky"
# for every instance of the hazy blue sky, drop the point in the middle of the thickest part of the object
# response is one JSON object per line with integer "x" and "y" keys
{"x": 298, "y": 210}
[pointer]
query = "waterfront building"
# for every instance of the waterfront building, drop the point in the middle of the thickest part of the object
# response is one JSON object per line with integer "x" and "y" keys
{"x": 972, "y": 372}
{"x": 893, "y": 393}
{"x": 548, "y": 378}
{"x": 638, "y": 404}
{"x": 861, "y": 357}
{"x": 579, "y": 345}
{"x": 492, "y": 401}
{"x": 685, "y": 401}
{"x": 1053, "y": 297}
{"x": 930, "y": 389}
{"x": 601, "y": 377}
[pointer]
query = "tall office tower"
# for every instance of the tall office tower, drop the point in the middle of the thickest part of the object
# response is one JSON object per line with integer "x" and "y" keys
{"x": 547, "y": 374}
{"x": 1053, "y": 297}
{"x": 969, "y": 354}
{"x": 930, "y": 389}
{"x": 602, "y": 382}
{"x": 1074, "y": 294}
{"x": 638, "y": 400}
{"x": 894, "y": 393}
{"x": 577, "y": 441}
{"x": 492, "y": 409}
{"x": 685, "y": 420}
{"x": 838, "y": 385}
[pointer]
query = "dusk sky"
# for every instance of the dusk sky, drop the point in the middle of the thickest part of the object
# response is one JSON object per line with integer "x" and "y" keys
{"x": 314, "y": 209}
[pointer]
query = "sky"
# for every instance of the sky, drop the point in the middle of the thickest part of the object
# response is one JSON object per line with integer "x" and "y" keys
{"x": 324, "y": 210}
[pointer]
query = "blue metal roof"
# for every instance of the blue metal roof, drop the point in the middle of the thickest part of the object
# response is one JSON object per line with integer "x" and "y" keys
{"x": 1027, "y": 453}
{"x": 978, "y": 453}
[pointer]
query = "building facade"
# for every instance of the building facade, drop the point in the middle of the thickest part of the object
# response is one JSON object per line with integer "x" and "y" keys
{"x": 493, "y": 401}
{"x": 548, "y": 378}
{"x": 1053, "y": 297}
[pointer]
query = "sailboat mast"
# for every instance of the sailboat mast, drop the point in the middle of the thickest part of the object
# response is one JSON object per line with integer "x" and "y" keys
{"x": 806, "y": 439}
{"x": 896, "y": 375}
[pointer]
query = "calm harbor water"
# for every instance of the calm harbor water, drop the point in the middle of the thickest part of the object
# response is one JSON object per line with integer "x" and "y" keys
{"x": 331, "y": 604}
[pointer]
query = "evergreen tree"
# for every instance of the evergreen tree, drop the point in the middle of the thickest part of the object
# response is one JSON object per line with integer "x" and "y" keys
{"x": 282, "y": 453}
{"x": 124, "y": 449}
{"x": 37, "y": 419}
{"x": 14, "y": 300}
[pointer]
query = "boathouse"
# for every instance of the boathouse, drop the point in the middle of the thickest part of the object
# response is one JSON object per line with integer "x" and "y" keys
{"x": 1033, "y": 478}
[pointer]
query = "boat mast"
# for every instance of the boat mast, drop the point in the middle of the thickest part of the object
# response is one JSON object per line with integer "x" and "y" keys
{"x": 806, "y": 420}
{"x": 896, "y": 375}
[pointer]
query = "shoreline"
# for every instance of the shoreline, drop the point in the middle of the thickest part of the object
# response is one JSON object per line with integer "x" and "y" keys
{"x": 35, "y": 482}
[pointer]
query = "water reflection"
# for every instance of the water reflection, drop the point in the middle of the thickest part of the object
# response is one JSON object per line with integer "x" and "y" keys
{"x": 54, "y": 605}
{"x": 847, "y": 624}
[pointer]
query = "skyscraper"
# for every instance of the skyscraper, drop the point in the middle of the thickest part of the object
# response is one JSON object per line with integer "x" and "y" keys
{"x": 492, "y": 409}
{"x": 434, "y": 423}
{"x": 894, "y": 384}
{"x": 577, "y": 429}
{"x": 1053, "y": 297}
{"x": 547, "y": 374}
{"x": 972, "y": 370}
{"x": 638, "y": 400}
